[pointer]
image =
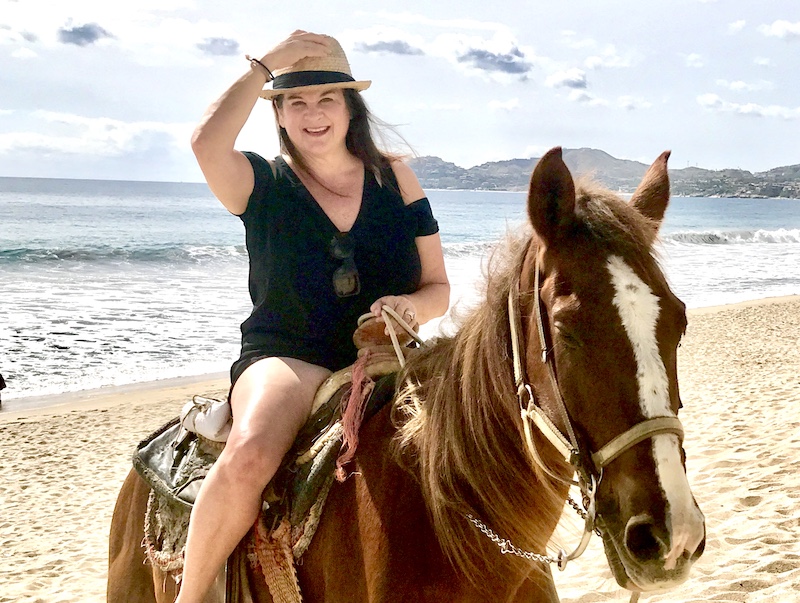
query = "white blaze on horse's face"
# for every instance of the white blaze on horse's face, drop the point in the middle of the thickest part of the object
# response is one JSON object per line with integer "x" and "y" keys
{"x": 639, "y": 310}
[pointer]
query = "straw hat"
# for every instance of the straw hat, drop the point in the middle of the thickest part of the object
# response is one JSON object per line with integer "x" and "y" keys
{"x": 311, "y": 73}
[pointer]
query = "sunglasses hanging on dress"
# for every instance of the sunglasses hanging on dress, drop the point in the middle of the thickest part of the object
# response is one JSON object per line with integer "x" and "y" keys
{"x": 346, "y": 282}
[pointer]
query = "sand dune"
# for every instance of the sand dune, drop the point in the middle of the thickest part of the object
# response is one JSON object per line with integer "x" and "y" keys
{"x": 61, "y": 468}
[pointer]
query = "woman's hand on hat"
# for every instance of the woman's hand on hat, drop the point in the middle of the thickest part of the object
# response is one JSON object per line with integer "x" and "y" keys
{"x": 299, "y": 45}
{"x": 399, "y": 303}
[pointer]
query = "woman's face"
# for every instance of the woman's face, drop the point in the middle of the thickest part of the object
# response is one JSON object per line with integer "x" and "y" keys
{"x": 316, "y": 121}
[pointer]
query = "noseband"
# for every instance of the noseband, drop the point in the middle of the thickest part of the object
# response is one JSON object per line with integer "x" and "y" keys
{"x": 590, "y": 471}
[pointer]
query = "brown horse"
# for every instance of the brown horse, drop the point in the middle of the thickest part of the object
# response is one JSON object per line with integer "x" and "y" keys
{"x": 568, "y": 368}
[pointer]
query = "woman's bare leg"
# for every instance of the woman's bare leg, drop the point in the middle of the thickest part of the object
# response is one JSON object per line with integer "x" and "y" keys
{"x": 271, "y": 401}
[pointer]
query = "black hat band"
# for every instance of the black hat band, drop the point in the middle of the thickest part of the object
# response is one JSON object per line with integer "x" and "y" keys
{"x": 297, "y": 79}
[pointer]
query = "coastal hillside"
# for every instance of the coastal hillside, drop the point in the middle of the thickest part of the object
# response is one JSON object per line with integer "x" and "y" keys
{"x": 617, "y": 174}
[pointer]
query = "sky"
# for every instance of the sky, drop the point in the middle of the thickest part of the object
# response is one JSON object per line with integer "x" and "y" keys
{"x": 113, "y": 90}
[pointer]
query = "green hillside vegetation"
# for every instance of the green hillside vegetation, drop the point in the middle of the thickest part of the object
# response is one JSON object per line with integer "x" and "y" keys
{"x": 617, "y": 174}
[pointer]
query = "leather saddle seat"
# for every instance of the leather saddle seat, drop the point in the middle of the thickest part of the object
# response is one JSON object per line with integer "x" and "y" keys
{"x": 174, "y": 461}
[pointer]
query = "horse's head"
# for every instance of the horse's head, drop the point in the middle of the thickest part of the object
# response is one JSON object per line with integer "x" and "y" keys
{"x": 612, "y": 326}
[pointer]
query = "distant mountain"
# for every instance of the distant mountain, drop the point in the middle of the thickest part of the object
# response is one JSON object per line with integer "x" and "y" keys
{"x": 617, "y": 174}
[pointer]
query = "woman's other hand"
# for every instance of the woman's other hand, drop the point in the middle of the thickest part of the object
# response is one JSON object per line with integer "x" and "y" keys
{"x": 399, "y": 303}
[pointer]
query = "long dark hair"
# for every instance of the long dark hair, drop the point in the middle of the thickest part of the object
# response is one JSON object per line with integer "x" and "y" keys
{"x": 360, "y": 140}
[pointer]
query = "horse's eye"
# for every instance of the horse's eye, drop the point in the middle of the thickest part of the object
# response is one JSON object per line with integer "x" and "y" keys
{"x": 567, "y": 337}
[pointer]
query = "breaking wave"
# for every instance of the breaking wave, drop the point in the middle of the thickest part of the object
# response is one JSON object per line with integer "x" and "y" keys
{"x": 734, "y": 237}
{"x": 194, "y": 254}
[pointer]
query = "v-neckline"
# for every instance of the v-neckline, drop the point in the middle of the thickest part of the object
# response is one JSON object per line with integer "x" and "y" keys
{"x": 296, "y": 181}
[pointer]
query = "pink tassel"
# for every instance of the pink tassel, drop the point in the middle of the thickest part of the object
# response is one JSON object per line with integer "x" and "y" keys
{"x": 353, "y": 414}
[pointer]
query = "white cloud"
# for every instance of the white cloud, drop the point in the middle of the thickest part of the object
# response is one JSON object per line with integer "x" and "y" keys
{"x": 477, "y": 48}
{"x": 151, "y": 32}
{"x": 24, "y": 53}
{"x": 740, "y": 86}
{"x": 781, "y": 29}
{"x": 571, "y": 40}
{"x": 736, "y": 26}
{"x": 173, "y": 41}
{"x": 581, "y": 96}
{"x": 15, "y": 142}
{"x": 426, "y": 107}
{"x": 417, "y": 19}
{"x": 119, "y": 18}
{"x": 381, "y": 33}
{"x": 535, "y": 150}
{"x": 499, "y": 57}
{"x": 446, "y": 107}
{"x": 78, "y": 135}
{"x": 508, "y": 105}
{"x": 608, "y": 58}
{"x": 569, "y": 78}
{"x": 762, "y": 61}
{"x": 9, "y": 36}
{"x": 694, "y": 60}
{"x": 715, "y": 103}
{"x": 633, "y": 102}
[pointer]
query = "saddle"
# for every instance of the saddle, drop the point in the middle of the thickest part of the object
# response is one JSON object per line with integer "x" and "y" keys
{"x": 175, "y": 459}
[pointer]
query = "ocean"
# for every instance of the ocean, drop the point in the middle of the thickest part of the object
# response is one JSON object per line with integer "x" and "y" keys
{"x": 112, "y": 283}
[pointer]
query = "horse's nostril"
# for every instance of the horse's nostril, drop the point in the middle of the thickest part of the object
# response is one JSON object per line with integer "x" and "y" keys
{"x": 698, "y": 551}
{"x": 641, "y": 540}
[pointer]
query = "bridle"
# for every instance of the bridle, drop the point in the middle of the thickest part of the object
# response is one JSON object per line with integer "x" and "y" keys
{"x": 566, "y": 444}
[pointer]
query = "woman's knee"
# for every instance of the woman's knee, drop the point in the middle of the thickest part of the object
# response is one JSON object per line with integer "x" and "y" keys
{"x": 247, "y": 460}
{"x": 270, "y": 403}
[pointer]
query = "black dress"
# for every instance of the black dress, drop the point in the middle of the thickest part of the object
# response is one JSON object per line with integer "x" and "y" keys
{"x": 296, "y": 309}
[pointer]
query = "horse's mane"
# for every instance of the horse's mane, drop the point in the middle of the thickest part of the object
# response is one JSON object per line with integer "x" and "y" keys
{"x": 458, "y": 414}
{"x": 460, "y": 432}
{"x": 614, "y": 225}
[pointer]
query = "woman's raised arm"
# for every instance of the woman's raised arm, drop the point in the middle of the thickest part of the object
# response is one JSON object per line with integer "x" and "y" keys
{"x": 228, "y": 173}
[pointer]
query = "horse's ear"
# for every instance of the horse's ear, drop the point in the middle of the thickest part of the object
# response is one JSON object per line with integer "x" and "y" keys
{"x": 652, "y": 194}
{"x": 551, "y": 196}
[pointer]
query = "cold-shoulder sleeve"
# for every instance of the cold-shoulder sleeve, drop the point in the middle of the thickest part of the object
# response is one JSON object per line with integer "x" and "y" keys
{"x": 264, "y": 178}
{"x": 423, "y": 215}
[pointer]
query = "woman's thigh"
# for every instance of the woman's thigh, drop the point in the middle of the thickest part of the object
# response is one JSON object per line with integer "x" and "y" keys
{"x": 272, "y": 400}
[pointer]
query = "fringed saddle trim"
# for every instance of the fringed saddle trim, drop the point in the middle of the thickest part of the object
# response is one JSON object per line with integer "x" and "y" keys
{"x": 274, "y": 553}
{"x": 302, "y": 536}
{"x": 164, "y": 552}
{"x": 353, "y": 413}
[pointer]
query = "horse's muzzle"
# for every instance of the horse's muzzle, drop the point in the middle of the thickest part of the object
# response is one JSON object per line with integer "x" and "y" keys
{"x": 645, "y": 556}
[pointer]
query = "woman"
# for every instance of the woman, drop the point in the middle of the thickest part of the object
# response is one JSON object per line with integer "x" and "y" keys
{"x": 334, "y": 229}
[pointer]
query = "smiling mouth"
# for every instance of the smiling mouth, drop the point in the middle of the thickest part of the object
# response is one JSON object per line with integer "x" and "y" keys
{"x": 317, "y": 131}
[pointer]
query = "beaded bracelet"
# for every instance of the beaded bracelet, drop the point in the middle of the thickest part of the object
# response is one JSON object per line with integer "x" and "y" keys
{"x": 254, "y": 61}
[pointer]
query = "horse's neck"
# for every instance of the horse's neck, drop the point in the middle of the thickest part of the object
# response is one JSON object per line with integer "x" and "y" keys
{"x": 468, "y": 437}
{"x": 381, "y": 509}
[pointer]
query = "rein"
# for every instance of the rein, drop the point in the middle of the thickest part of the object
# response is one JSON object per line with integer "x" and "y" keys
{"x": 387, "y": 311}
{"x": 567, "y": 444}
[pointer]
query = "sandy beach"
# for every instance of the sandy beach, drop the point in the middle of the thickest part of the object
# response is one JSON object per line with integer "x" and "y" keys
{"x": 61, "y": 468}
